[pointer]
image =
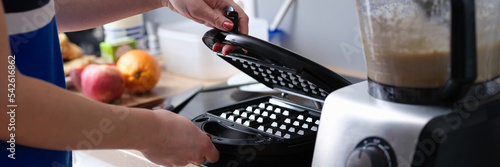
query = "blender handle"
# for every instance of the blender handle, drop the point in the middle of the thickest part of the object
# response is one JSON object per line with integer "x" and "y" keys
{"x": 463, "y": 62}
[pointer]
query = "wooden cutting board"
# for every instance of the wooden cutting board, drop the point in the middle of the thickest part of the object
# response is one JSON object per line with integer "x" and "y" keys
{"x": 169, "y": 84}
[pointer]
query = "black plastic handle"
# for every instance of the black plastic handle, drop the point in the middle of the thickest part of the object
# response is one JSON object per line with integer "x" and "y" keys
{"x": 463, "y": 51}
{"x": 216, "y": 36}
{"x": 233, "y": 16}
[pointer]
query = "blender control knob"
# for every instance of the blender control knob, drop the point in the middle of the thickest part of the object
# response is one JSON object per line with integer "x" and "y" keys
{"x": 367, "y": 157}
{"x": 372, "y": 152}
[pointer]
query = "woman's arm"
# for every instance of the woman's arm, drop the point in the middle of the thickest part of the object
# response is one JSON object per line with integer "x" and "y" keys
{"x": 73, "y": 15}
{"x": 50, "y": 117}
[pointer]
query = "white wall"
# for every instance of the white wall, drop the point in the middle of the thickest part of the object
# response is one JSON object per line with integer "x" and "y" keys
{"x": 322, "y": 30}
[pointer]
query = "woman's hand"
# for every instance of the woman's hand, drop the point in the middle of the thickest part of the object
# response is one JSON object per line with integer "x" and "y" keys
{"x": 210, "y": 13}
{"x": 177, "y": 142}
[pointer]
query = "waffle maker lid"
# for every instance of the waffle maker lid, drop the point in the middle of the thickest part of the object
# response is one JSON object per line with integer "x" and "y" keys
{"x": 276, "y": 67}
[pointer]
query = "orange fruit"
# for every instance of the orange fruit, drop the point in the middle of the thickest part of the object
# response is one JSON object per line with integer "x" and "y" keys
{"x": 140, "y": 70}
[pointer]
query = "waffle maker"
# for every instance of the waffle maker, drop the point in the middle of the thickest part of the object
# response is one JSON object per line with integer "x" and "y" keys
{"x": 268, "y": 130}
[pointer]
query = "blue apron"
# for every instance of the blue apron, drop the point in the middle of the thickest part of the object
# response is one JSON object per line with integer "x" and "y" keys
{"x": 34, "y": 42}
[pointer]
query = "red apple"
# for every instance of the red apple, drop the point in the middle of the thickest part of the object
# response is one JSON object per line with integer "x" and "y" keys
{"x": 103, "y": 83}
{"x": 75, "y": 75}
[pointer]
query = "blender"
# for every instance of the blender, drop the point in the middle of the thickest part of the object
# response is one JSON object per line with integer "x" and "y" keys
{"x": 433, "y": 92}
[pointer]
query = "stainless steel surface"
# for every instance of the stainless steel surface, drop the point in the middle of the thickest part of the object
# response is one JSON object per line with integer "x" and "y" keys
{"x": 350, "y": 115}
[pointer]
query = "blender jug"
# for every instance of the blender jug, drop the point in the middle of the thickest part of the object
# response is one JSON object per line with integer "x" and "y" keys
{"x": 429, "y": 51}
